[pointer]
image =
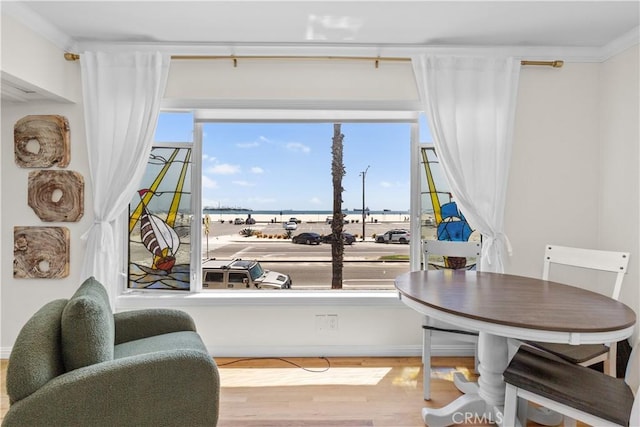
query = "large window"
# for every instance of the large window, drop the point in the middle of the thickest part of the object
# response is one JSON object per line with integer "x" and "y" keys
{"x": 249, "y": 180}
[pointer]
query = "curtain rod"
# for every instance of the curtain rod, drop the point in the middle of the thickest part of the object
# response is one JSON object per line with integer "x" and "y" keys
{"x": 376, "y": 59}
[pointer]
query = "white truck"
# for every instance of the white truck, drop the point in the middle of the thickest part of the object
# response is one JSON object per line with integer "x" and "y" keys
{"x": 241, "y": 274}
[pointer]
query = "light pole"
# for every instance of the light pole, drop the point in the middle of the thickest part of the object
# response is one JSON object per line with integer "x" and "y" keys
{"x": 364, "y": 214}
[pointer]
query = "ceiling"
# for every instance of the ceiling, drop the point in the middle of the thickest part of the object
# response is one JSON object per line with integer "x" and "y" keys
{"x": 241, "y": 26}
{"x": 362, "y": 22}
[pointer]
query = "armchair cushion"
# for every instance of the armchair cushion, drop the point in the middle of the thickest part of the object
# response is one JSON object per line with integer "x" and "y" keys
{"x": 186, "y": 340}
{"x": 36, "y": 356}
{"x": 136, "y": 324}
{"x": 88, "y": 330}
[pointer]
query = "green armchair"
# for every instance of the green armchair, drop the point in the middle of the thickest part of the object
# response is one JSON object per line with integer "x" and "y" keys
{"x": 75, "y": 363}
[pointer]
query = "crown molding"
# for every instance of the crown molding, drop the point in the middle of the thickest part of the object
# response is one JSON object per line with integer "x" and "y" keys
{"x": 37, "y": 24}
{"x": 568, "y": 54}
{"x": 622, "y": 43}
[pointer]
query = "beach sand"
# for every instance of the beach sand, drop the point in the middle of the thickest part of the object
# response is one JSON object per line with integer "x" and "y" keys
{"x": 354, "y": 218}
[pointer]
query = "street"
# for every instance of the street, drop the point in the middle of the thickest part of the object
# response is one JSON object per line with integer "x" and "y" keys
{"x": 310, "y": 265}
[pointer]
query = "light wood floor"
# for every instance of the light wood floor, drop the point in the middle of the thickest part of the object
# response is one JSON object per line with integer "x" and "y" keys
{"x": 346, "y": 392}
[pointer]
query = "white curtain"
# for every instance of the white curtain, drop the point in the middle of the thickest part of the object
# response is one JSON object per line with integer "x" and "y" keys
{"x": 470, "y": 105}
{"x": 122, "y": 94}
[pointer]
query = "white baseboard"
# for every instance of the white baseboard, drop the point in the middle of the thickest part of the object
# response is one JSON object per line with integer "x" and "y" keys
{"x": 465, "y": 349}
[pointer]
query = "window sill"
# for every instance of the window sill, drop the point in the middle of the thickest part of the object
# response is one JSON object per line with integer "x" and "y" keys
{"x": 139, "y": 299}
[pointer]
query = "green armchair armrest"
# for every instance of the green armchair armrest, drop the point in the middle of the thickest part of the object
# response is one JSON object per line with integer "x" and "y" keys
{"x": 133, "y": 391}
{"x": 137, "y": 324}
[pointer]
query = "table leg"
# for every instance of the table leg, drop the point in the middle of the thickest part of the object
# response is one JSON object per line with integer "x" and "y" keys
{"x": 485, "y": 404}
{"x": 493, "y": 358}
{"x": 463, "y": 384}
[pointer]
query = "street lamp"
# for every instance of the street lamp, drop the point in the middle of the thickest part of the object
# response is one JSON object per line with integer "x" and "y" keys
{"x": 364, "y": 218}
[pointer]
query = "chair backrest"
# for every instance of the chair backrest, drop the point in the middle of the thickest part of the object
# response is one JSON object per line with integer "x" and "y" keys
{"x": 448, "y": 248}
{"x": 632, "y": 378}
{"x": 36, "y": 357}
{"x": 611, "y": 261}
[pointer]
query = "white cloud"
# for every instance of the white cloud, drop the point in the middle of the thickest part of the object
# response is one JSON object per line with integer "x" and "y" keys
{"x": 224, "y": 169}
{"x": 244, "y": 183}
{"x": 315, "y": 201}
{"x": 257, "y": 170}
{"x": 208, "y": 182}
{"x": 298, "y": 147}
{"x": 261, "y": 139}
{"x": 386, "y": 184}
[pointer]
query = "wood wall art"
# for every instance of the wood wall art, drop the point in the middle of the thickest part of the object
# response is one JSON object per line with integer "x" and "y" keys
{"x": 42, "y": 141}
{"x": 40, "y": 252}
{"x": 56, "y": 196}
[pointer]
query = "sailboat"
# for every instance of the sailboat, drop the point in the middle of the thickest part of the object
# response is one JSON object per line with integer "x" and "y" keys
{"x": 158, "y": 237}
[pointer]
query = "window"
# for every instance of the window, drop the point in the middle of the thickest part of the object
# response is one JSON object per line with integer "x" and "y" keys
{"x": 440, "y": 218}
{"x": 253, "y": 176}
{"x": 214, "y": 277}
{"x": 160, "y": 216}
{"x": 237, "y": 277}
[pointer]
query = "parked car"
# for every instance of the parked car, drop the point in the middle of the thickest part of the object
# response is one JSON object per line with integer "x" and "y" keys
{"x": 290, "y": 226}
{"x": 307, "y": 238}
{"x": 238, "y": 221}
{"x": 241, "y": 274}
{"x": 347, "y": 238}
{"x": 394, "y": 236}
{"x": 296, "y": 220}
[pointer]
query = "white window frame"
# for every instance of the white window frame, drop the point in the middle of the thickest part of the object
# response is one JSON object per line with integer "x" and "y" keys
{"x": 139, "y": 298}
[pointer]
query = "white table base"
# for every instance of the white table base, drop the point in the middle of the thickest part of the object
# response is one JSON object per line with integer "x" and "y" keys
{"x": 483, "y": 402}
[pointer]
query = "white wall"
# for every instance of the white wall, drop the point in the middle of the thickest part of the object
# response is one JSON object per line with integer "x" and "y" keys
{"x": 28, "y": 57}
{"x": 22, "y": 297}
{"x": 619, "y": 153}
{"x": 32, "y": 59}
{"x": 553, "y": 183}
{"x": 272, "y": 84}
{"x": 556, "y": 184}
{"x": 574, "y": 177}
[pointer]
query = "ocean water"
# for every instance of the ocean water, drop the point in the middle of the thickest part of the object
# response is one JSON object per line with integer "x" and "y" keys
{"x": 294, "y": 212}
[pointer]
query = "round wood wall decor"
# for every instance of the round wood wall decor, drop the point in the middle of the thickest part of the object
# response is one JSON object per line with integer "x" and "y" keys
{"x": 42, "y": 141}
{"x": 40, "y": 252}
{"x": 56, "y": 196}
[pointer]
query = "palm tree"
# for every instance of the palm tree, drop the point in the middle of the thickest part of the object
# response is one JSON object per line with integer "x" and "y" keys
{"x": 337, "y": 172}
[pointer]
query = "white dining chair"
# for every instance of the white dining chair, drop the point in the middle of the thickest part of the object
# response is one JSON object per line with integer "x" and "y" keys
{"x": 594, "y": 260}
{"x": 449, "y": 255}
{"x": 577, "y": 392}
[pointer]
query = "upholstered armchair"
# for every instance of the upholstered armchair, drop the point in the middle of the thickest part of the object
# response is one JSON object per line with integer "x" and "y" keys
{"x": 75, "y": 363}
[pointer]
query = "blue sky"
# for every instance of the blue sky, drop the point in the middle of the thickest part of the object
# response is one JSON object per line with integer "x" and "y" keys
{"x": 282, "y": 166}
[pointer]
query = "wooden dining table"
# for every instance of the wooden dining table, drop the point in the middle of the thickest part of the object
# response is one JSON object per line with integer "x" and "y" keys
{"x": 507, "y": 308}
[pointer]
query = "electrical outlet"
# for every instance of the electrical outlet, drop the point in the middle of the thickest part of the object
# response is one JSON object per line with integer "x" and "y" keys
{"x": 332, "y": 322}
{"x": 321, "y": 322}
{"x": 326, "y": 322}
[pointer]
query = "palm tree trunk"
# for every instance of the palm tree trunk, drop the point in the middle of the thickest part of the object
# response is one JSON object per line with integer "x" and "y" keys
{"x": 337, "y": 244}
